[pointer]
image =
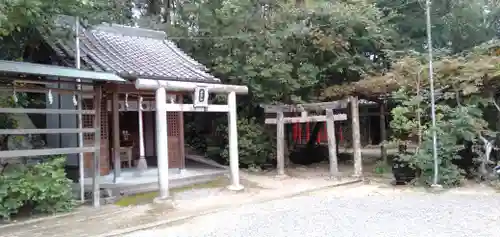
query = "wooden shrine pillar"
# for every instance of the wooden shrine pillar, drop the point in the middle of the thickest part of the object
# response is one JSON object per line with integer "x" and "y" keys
{"x": 96, "y": 167}
{"x": 332, "y": 146}
{"x": 142, "y": 164}
{"x": 329, "y": 119}
{"x": 116, "y": 136}
{"x": 356, "y": 137}
{"x": 280, "y": 143}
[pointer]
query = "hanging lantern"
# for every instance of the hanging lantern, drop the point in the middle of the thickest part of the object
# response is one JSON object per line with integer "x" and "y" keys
{"x": 49, "y": 97}
{"x": 139, "y": 106}
{"x": 126, "y": 102}
{"x": 14, "y": 96}
{"x": 75, "y": 101}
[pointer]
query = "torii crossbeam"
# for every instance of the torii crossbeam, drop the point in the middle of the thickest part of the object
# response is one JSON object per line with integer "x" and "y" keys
{"x": 330, "y": 117}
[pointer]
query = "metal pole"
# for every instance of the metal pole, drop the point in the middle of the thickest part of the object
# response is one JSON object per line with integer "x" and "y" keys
{"x": 433, "y": 102}
{"x": 79, "y": 117}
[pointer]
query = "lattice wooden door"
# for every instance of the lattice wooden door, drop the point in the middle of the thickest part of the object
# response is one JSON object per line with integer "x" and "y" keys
{"x": 88, "y": 138}
{"x": 174, "y": 141}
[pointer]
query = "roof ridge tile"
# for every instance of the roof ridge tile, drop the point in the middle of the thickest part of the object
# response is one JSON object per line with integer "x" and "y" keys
{"x": 133, "y": 52}
{"x": 131, "y": 31}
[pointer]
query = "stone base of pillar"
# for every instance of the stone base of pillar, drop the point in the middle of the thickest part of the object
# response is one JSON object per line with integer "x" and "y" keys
{"x": 117, "y": 179}
{"x": 233, "y": 187}
{"x": 436, "y": 188}
{"x": 335, "y": 177}
{"x": 357, "y": 176}
{"x": 167, "y": 203}
{"x": 281, "y": 176}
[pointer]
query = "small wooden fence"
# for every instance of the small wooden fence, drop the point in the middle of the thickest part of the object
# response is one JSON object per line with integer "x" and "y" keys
{"x": 97, "y": 93}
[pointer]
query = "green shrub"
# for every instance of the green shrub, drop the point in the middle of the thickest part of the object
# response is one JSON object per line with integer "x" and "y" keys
{"x": 381, "y": 168}
{"x": 448, "y": 173}
{"x": 459, "y": 119}
{"x": 255, "y": 146}
{"x": 43, "y": 187}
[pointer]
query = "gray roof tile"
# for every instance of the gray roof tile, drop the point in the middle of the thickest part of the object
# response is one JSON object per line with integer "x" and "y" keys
{"x": 13, "y": 67}
{"x": 134, "y": 53}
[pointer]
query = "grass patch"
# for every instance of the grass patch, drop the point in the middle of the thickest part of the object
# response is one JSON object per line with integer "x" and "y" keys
{"x": 143, "y": 198}
{"x": 381, "y": 168}
{"x": 137, "y": 199}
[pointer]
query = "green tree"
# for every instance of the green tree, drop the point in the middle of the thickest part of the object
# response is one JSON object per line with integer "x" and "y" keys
{"x": 22, "y": 21}
{"x": 284, "y": 54}
{"x": 456, "y": 24}
{"x": 465, "y": 85}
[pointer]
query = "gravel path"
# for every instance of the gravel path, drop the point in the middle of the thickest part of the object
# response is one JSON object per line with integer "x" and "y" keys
{"x": 352, "y": 212}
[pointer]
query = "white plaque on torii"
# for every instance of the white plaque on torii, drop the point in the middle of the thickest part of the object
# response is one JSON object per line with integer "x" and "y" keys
{"x": 200, "y": 98}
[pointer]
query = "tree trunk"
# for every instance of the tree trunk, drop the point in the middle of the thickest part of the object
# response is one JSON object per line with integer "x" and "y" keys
{"x": 154, "y": 7}
{"x": 497, "y": 127}
{"x": 383, "y": 133}
{"x": 419, "y": 115}
{"x": 167, "y": 12}
{"x": 300, "y": 3}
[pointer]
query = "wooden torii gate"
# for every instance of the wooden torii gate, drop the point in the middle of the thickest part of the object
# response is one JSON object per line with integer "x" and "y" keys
{"x": 329, "y": 118}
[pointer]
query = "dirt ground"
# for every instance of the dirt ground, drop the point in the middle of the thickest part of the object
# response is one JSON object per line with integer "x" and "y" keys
{"x": 112, "y": 220}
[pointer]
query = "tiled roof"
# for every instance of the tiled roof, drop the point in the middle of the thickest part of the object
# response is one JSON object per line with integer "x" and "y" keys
{"x": 22, "y": 68}
{"x": 131, "y": 53}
